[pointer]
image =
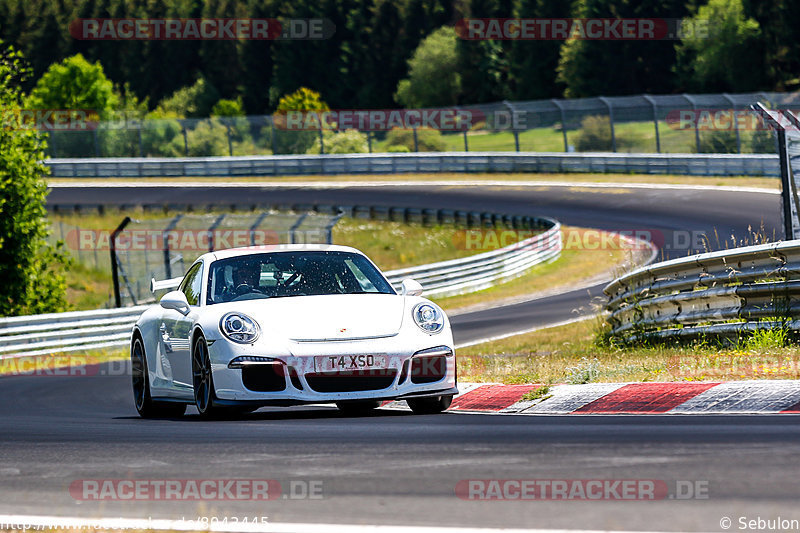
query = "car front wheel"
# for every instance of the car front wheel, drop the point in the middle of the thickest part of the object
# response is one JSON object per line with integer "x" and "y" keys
{"x": 430, "y": 406}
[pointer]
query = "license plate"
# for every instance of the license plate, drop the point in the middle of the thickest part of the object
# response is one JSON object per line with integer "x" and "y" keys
{"x": 340, "y": 363}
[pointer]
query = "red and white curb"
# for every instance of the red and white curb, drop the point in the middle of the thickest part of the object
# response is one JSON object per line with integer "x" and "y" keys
{"x": 734, "y": 397}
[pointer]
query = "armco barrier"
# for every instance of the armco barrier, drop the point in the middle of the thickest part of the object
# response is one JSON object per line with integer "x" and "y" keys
{"x": 719, "y": 293}
{"x": 432, "y": 162}
{"x": 61, "y": 332}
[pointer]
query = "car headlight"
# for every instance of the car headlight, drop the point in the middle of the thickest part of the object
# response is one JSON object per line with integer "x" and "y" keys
{"x": 428, "y": 317}
{"x": 239, "y": 328}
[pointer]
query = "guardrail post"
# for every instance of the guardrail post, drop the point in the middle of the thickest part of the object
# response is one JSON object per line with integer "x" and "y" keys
{"x": 563, "y": 122}
{"x": 655, "y": 120}
{"x": 114, "y": 266}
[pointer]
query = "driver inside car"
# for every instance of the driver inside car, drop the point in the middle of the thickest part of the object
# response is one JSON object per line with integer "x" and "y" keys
{"x": 246, "y": 278}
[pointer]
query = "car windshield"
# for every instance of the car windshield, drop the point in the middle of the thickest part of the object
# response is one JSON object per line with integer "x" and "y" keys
{"x": 282, "y": 274}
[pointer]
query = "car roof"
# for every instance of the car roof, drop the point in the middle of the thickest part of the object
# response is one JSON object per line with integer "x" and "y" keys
{"x": 273, "y": 248}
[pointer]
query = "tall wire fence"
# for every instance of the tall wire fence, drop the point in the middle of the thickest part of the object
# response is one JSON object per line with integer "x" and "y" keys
{"x": 164, "y": 247}
{"x": 685, "y": 123}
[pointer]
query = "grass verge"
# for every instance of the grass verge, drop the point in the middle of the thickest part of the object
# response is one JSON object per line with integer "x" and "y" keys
{"x": 569, "y": 354}
{"x": 61, "y": 364}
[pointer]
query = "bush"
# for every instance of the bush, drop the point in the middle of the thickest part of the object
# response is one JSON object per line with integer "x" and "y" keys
{"x": 344, "y": 142}
{"x": 763, "y": 142}
{"x": 595, "y": 136}
{"x": 717, "y": 142}
{"x": 428, "y": 140}
{"x": 398, "y": 149}
{"x": 207, "y": 138}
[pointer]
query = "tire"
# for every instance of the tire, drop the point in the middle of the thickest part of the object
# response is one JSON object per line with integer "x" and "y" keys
{"x": 360, "y": 407}
{"x": 145, "y": 406}
{"x": 430, "y": 406}
{"x": 205, "y": 399}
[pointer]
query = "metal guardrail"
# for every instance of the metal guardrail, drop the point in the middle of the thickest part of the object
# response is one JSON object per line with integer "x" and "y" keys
{"x": 81, "y": 330}
{"x": 431, "y": 162}
{"x": 64, "y": 332}
{"x": 719, "y": 293}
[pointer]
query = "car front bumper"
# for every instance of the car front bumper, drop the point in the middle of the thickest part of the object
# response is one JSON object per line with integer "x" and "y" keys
{"x": 420, "y": 368}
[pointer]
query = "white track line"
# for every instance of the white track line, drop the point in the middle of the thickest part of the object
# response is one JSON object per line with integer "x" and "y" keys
{"x": 99, "y": 183}
{"x": 53, "y": 522}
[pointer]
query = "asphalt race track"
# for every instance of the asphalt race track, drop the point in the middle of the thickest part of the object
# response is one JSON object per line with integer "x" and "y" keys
{"x": 394, "y": 467}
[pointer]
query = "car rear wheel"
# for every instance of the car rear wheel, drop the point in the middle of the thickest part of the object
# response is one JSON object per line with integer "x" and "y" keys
{"x": 145, "y": 406}
{"x": 430, "y": 406}
{"x": 358, "y": 407}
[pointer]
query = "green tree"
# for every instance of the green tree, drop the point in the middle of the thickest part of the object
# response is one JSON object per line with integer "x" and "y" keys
{"x": 74, "y": 83}
{"x": 296, "y": 142}
{"x": 533, "y": 64}
{"x": 780, "y": 39}
{"x": 483, "y": 64}
{"x": 616, "y": 67}
{"x": 730, "y": 58}
{"x": 29, "y": 267}
{"x": 194, "y": 101}
{"x": 433, "y": 79}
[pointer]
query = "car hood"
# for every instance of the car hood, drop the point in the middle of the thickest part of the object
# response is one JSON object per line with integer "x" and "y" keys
{"x": 327, "y": 317}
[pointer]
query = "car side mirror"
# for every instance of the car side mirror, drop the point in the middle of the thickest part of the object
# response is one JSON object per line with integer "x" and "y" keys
{"x": 410, "y": 287}
{"x": 175, "y": 300}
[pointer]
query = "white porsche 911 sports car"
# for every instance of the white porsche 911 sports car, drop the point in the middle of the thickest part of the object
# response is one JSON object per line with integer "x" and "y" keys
{"x": 287, "y": 325}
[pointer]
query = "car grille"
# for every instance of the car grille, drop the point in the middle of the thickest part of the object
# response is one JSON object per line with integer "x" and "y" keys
{"x": 428, "y": 369}
{"x": 350, "y": 381}
{"x": 264, "y": 378}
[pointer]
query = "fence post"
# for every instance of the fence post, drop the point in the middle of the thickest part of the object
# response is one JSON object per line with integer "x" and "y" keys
{"x": 321, "y": 140}
{"x": 185, "y": 139}
{"x": 255, "y": 226}
{"x": 466, "y": 143}
{"x": 165, "y": 238}
{"x": 293, "y": 229}
{"x": 211, "y": 230}
{"x": 696, "y": 129}
{"x": 230, "y": 142}
{"x": 114, "y": 266}
{"x": 610, "y": 121}
{"x": 563, "y": 122}
{"x": 733, "y": 121}
{"x": 96, "y": 143}
{"x": 513, "y": 122}
{"x": 655, "y": 120}
{"x": 273, "y": 135}
{"x": 416, "y": 141}
{"x": 369, "y": 141}
{"x": 141, "y": 145}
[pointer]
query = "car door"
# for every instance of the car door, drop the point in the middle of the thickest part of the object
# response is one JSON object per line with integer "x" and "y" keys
{"x": 175, "y": 331}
